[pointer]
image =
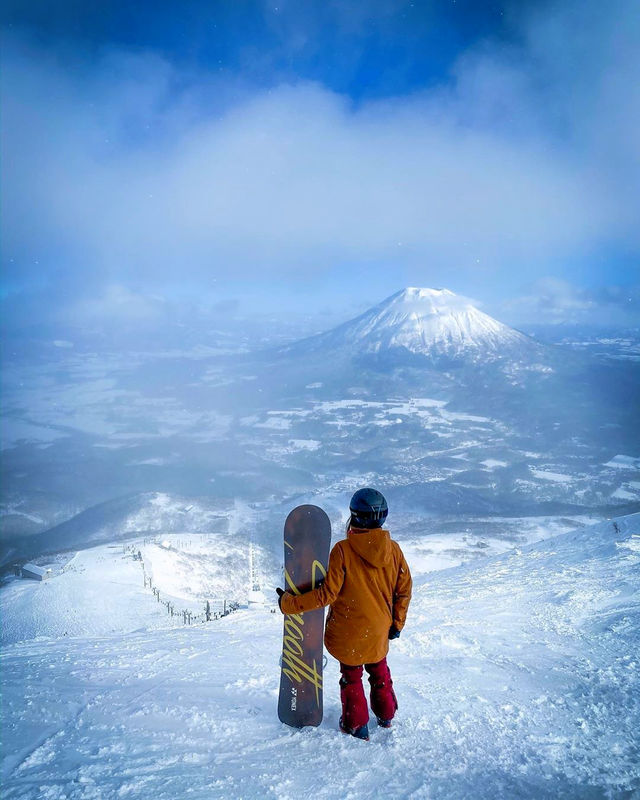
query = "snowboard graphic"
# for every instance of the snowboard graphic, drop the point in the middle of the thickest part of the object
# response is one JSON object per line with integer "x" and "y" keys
{"x": 307, "y": 536}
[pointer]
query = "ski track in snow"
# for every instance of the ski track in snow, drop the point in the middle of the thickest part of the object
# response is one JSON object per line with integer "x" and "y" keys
{"x": 517, "y": 676}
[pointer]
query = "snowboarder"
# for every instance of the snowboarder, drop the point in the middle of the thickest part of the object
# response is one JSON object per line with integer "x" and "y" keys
{"x": 368, "y": 587}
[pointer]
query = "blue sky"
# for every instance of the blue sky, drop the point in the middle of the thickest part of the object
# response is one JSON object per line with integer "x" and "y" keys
{"x": 361, "y": 49}
{"x": 322, "y": 153}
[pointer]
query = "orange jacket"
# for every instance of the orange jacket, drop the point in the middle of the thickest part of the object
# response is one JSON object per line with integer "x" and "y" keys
{"x": 368, "y": 587}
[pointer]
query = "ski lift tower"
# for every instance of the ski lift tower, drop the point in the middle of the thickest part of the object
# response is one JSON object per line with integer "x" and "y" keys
{"x": 256, "y": 596}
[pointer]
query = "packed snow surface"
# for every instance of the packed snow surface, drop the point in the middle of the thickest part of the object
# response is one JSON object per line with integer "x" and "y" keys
{"x": 517, "y": 676}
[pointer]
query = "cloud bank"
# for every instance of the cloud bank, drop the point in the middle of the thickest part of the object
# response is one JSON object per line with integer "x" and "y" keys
{"x": 553, "y": 301}
{"x": 131, "y": 170}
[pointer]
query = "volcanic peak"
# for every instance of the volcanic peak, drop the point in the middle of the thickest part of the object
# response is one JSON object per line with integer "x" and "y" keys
{"x": 430, "y": 322}
{"x": 425, "y": 322}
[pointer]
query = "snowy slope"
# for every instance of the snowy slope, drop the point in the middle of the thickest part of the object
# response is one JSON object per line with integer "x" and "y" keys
{"x": 428, "y": 322}
{"x": 94, "y": 592}
{"x": 517, "y": 677}
{"x": 103, "y": 590}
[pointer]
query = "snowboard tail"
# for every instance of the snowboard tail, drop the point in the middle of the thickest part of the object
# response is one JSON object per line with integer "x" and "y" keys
{"x": 307, "y": 536}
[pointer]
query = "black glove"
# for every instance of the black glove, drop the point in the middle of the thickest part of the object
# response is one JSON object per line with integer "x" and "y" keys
{"x": 393, "y": 632}
{"x": 279, "y": 592}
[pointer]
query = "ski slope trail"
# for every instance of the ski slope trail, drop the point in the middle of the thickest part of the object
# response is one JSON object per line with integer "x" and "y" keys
{"x": 518, "y": 676}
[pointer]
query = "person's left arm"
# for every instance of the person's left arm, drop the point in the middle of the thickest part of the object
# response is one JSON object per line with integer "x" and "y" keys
{"x": 324, "y": 595}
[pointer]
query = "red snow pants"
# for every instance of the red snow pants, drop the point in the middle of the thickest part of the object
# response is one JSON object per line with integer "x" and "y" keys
{"x": 354, "y": 704}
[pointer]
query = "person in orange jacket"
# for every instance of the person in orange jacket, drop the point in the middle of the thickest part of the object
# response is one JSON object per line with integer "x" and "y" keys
{"x": 368, "y": 589}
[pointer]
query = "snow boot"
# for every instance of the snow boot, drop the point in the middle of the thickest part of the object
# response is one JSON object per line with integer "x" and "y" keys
{"x": 384, "y": 723}
{"x": 360, "y": 733}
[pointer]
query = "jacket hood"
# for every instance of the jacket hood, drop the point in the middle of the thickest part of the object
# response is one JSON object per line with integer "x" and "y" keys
{"x": 373, "y": 545}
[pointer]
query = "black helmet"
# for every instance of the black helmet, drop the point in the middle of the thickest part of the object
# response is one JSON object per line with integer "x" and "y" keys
{"x": 368, "y": 509}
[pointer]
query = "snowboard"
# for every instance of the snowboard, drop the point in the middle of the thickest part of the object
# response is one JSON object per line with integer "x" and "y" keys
{"x": 307, "y": 536}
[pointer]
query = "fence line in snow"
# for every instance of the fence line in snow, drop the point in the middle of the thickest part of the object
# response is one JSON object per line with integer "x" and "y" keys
{"x": 213, "y": 609}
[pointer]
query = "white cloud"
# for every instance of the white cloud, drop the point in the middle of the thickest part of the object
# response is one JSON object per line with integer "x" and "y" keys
{"x": 121, "y": 305}
{"x": 555, "y": 301}
{"x": 530, "y": 156}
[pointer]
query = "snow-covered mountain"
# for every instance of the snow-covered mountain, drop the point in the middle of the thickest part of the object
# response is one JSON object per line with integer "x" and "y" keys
{"x": 432, "y": 323}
